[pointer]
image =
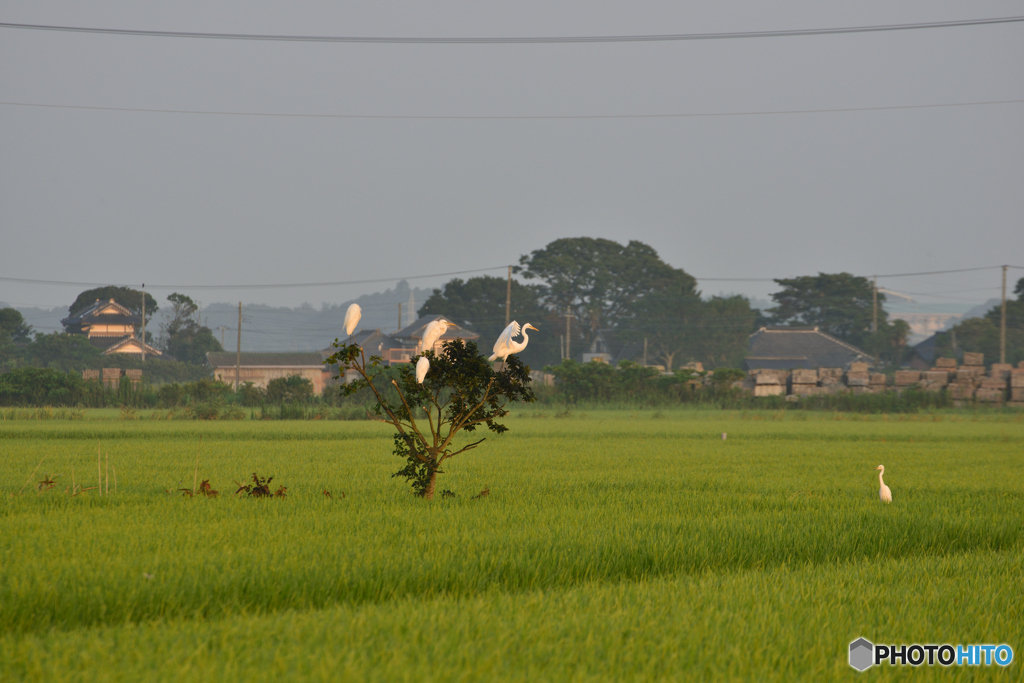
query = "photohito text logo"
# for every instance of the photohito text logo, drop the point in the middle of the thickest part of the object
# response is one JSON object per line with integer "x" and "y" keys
{"x": 864, "y": 654}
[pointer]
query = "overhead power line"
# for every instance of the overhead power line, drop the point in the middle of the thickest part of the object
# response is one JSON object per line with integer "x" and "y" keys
{"x": 520, "y": 40}
{"x": 337, "y": 283}
{"x": 512, "y": 118}
{"x": 281, "y": 285}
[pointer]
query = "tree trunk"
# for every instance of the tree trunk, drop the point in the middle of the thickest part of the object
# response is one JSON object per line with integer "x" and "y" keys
{"x": 428, "y": 492}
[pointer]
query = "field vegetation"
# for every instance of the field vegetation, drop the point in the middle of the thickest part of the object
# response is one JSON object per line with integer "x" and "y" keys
{"x": 613, "y": 545}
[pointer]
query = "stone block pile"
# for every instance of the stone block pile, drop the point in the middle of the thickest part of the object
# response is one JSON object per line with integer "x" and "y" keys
{"x": 968, "y": 382}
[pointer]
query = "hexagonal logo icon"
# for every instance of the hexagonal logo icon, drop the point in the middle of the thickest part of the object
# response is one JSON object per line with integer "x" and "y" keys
{"x": 861, "y": 654}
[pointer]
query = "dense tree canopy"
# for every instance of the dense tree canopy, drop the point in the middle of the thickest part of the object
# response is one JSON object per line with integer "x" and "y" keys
{"x": 600, "y": 281}
{"x": 982, "y": 334}
{"x": 126, "y": 296}
{"x": 13, "y": 326}
{"x": 840, "y": 304}
{"x": 184, "y": 336}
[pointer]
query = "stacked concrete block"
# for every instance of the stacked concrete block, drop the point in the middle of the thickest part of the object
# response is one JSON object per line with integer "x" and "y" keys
{"x": 859, "y": 367}
{"x": 934, "y": 380}
{"x": 1000, "y": 371}
{"x": 974, "y": 359}
{"x": 906, "y": 379}
{"x": 858, "y": 379}
{"x": 111, "y": 377}
{"x": 804, "y": 382}
{"x": 1017, "y": 387}
{"x": 831, "y": 380}
{"x": 970, "y": 373}
{"x": 768, "y": 384}
{"x": 945, "y": 363}
{"x": 991, "y": 391}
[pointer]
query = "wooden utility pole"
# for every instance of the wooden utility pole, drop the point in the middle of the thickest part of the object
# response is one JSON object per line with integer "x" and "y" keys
{"x": 143, "y": 310}
{"x": 874, "y": 305}
{"x": 645, "y": 352}
{"x": 508, "y": 298}
{"x": 238, "y": 349}
{"x": 399, "y": 315}
{"x": 1002, "y": 323}
{"x": 568, "y": 317}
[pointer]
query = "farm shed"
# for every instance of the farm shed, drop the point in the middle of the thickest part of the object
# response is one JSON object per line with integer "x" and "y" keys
{"x": 260, "y": 368}
{"x": 787, "y": 348}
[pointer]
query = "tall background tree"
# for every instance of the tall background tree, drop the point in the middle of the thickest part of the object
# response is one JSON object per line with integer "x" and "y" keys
{"x": 126, "y": 296}
{"x": 478, "y": 304}
{"x": 982, "y": 334}
{"x": 13, "y": 325}
{"x": 599, "y": 281}
{"x": 840, "y": 304}
{"x": 183, "y": 335}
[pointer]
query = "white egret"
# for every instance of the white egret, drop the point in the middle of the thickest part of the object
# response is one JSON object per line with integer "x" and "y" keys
{"x": 505, "y": 346}
{"x": 435, "y": 330}
{"x": 422, "y": 367}
{"x": 352, "y": 316}
{"x": 884, "y": 493}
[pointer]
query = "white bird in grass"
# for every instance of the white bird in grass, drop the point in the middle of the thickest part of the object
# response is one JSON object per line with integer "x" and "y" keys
{"x": 884, "y": 493}
{"x": 435, "y": 330}
{"x": 352, "y": 316}
{"x": 422, "y": 367}
{"x": 505, "y": 346}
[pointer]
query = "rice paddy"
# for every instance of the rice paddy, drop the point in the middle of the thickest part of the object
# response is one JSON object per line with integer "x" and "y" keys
{"x": 613, "y": 545}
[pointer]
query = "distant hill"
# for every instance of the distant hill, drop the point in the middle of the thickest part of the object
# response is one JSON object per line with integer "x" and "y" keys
{"x": 269, "y": 328}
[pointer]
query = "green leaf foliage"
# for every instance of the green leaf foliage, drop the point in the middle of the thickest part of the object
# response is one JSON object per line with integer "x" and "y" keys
{"x": 460, "y": 392}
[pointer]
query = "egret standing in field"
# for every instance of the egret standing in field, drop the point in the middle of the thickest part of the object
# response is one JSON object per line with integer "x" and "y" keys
{"x": 883, "y": 492}
{"x": 435, "y": 330}
{"x": 422, "y": 367}
{"x": 506, "y": 346}
{"x": 352, "y": 316}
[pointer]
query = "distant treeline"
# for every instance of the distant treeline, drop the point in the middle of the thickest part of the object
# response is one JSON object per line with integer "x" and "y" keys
{"x": 577, "y": 386}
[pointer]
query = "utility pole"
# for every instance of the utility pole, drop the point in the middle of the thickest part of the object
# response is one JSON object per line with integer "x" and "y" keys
{"x": 1002, "y": 323}
{"x": 399, "y": 315}
{"x": 143, "y": 309}
{"x": 874, "y": 305}
{"x": 222, "y": 328}
{"x": 238, "y": 349}
{"x": 645, "y": 352}
{"x": 568, "y": 317}
{"x": 508, "y": 298}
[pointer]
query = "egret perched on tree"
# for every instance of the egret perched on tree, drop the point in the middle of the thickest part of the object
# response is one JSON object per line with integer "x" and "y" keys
{"x": 422, "y": 368}
{"x": 435, "y": 330}
{"x": 352, "y": 316}
{"x": 884, "y": 493}
{"x": 505, "y": 347}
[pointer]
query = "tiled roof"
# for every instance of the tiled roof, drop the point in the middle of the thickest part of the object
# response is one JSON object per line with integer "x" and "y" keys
{"x": 221, "y": 359}
{"x": 91, "y": 315}
{"x": 799, "y": 347}
{"x": 126, "y": 341}
{"x": 415, "y": 331}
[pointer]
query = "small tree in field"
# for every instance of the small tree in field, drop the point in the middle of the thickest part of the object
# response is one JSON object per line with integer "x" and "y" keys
{"x": 461, "y": 391}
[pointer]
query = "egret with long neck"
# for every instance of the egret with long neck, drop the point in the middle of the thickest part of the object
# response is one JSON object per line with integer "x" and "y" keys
{"x": 505, "y": 346}
{"x": 883, "y": 491}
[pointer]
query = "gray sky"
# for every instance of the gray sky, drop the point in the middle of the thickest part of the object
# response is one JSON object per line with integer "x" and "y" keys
{"x": 180, "y": 199}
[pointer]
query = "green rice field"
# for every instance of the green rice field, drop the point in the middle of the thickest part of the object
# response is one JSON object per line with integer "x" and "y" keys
{"x": 613, "y": 546}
